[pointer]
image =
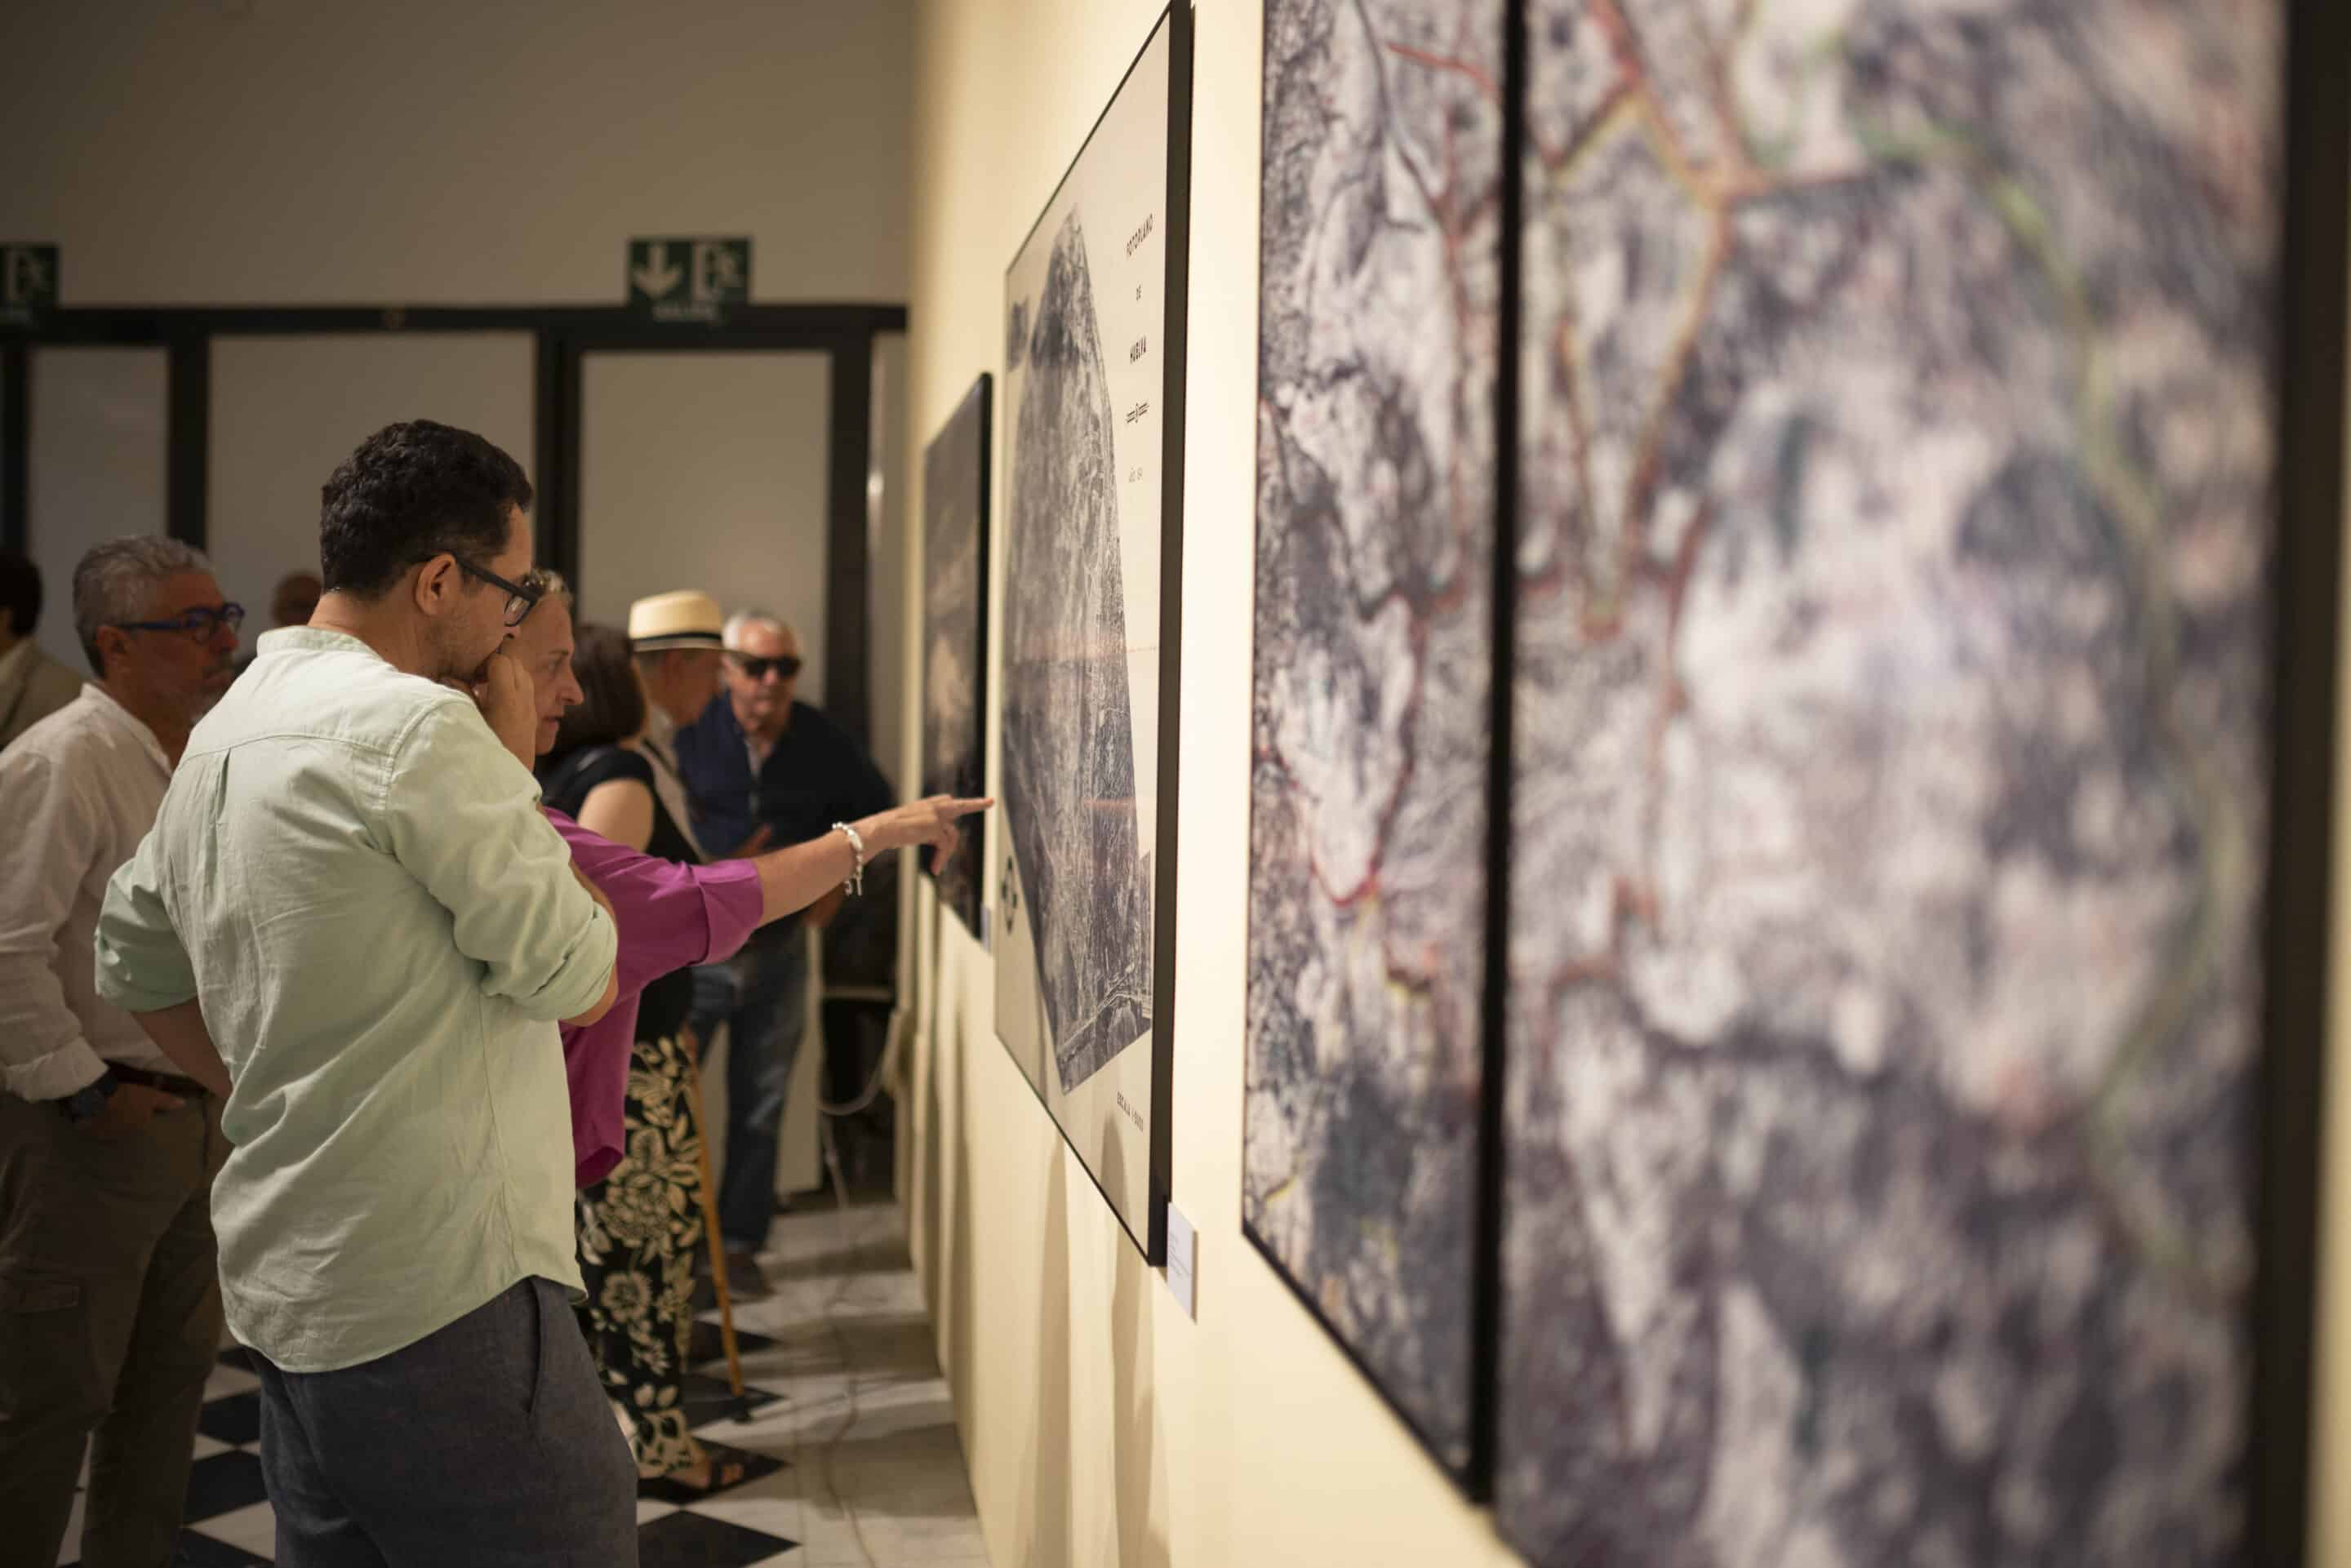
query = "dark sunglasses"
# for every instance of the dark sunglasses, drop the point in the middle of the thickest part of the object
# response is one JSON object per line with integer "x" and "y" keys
{"x": 757, "y": 669}
{"x": 520, "y": 596}
{"x": 199, "y": 623}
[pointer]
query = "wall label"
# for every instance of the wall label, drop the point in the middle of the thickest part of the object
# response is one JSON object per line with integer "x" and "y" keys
{"x": 1183, "y": 1246}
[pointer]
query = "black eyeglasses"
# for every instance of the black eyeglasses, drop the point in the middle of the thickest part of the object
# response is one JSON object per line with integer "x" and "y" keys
{"x": 200, "y": 622}
{"x": 520, "y": 596}
{"x": 788, "y": 666}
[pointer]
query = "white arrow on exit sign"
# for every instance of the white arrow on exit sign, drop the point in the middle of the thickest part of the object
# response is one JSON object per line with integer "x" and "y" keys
{"x": 657, "y": 279}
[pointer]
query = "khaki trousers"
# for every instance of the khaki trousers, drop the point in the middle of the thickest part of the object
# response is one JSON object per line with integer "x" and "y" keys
{"x": 110, "y": 1323}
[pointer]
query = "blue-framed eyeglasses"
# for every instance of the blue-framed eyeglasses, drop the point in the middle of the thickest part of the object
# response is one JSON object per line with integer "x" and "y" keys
{"x": 200, "y": 622}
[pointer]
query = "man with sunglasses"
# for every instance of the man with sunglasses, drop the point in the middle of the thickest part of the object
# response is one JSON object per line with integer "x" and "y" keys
{"x": 762, "y": 766}
{"x": 351, "y": 871}
{"x": 109, "y": 1307}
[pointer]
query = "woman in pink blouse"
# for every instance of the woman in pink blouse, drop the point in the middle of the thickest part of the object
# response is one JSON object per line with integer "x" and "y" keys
{"x": 636, "y": 1144}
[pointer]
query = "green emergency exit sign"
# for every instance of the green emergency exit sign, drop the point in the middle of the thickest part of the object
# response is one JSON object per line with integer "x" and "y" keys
{"x": 689, "y": 279}
{"x": 28, "y": 279}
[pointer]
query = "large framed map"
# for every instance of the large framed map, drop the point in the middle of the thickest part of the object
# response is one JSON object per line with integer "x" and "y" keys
{"x": 1093, "y": 389}
{"x": 1891, "y": 781}
{"x": 954, "y": 637}
{"x": 1378, "y": 341}
{"x": 1797, "y": 545}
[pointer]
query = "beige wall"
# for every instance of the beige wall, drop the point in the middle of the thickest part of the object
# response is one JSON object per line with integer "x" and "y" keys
{"x": 449, "y": 152}
{"x": 1105, "y": 1428}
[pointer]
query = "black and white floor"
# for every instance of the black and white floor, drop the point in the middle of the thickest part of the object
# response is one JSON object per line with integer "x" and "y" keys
{"x": 861, "y": 1466}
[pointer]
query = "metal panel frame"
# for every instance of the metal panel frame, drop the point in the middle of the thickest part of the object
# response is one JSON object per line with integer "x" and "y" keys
{"x": 563, "y": 336}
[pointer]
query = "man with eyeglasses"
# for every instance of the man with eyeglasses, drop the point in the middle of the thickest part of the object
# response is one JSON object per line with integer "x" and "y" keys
{"x": 110, "y": 1305}
{"x": 352, "y": 923}
{"x": 762, "y": 766}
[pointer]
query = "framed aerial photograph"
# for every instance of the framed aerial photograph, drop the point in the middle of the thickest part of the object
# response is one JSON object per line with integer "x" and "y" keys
{"x": 1379, "y": 336}
{"x": 1090, "y": 609}
{"x": 1896, "y": 637}
{"x": 954, "y": 638}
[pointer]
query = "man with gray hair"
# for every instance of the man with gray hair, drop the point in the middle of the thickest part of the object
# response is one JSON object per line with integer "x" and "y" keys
{"x": 108, "y": 1284}
{"x": 761, "y": 761}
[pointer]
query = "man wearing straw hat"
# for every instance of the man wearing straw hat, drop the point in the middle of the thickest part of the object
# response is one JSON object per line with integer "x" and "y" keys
{"x": 677, "y": 640}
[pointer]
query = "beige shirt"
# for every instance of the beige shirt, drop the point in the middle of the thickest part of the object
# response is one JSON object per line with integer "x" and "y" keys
{"x": 32, "y": 686}
{"x": 78, "y": 792}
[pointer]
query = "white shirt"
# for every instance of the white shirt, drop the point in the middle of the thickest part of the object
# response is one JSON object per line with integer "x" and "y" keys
{"x": 78, "y": 792}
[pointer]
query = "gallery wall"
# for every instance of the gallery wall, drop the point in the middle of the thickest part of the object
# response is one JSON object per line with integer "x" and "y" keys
{"x": 1102, "y": 1424}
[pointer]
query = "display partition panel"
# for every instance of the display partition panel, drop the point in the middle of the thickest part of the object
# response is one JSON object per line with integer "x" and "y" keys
{"x": 1090, "y": 608}
{"x": 1891, "y": 780}
{"x": 954, "y": 638}
{"x": 1380, "y": 326}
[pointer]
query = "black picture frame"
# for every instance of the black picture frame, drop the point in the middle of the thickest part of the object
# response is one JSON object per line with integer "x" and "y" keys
{"x": 1177, "y": 22}
{"x": 960, "y": 456}
{"x": 2297, "y": 938}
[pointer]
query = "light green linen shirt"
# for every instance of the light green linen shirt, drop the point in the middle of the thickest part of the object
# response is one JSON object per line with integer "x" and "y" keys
{"x": 352, "y": 876}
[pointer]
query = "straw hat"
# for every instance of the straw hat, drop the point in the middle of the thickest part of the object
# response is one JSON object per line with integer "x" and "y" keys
{"x": 687, "y": 619}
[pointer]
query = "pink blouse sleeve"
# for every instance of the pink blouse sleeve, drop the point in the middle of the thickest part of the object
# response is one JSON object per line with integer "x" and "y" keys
{"x": 670, "y": 915}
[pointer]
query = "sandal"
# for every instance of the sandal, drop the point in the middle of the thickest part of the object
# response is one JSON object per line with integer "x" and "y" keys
{"x": 721, "y": 1467}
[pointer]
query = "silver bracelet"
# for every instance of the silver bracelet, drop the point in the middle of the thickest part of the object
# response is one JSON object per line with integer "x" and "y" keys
{"x": 856, "y": 883}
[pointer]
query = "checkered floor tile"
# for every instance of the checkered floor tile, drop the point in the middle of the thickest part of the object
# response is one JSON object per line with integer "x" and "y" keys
{"x": 855, "y": 1456}
{"x": 229, "y": 1522}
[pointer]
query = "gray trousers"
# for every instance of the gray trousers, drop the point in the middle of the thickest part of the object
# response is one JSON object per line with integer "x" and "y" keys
{"x": 487, "y": 1443}
{"x": 110, "y": 1321}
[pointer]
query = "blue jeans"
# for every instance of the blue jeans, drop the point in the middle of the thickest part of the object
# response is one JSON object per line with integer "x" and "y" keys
{"x": 764, "y": 1016}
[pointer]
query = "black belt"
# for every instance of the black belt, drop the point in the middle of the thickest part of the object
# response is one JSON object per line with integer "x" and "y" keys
{"x": 169, "y": 1083}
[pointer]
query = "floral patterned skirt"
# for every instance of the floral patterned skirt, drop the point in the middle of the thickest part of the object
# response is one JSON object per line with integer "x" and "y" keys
{"x": 639, "y": 1228}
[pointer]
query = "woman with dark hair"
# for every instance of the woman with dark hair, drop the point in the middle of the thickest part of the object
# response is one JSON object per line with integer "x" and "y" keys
{"x": 636, "y": 1140}
{"x": 637, "y": 1234}
{"x": 596, "y": 775}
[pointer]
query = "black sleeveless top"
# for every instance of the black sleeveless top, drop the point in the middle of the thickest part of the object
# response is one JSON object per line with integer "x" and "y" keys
{"x": 566, "y": 782}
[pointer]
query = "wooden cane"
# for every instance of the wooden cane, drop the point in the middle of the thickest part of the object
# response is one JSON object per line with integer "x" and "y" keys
{"x": 710, "y": 1220}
